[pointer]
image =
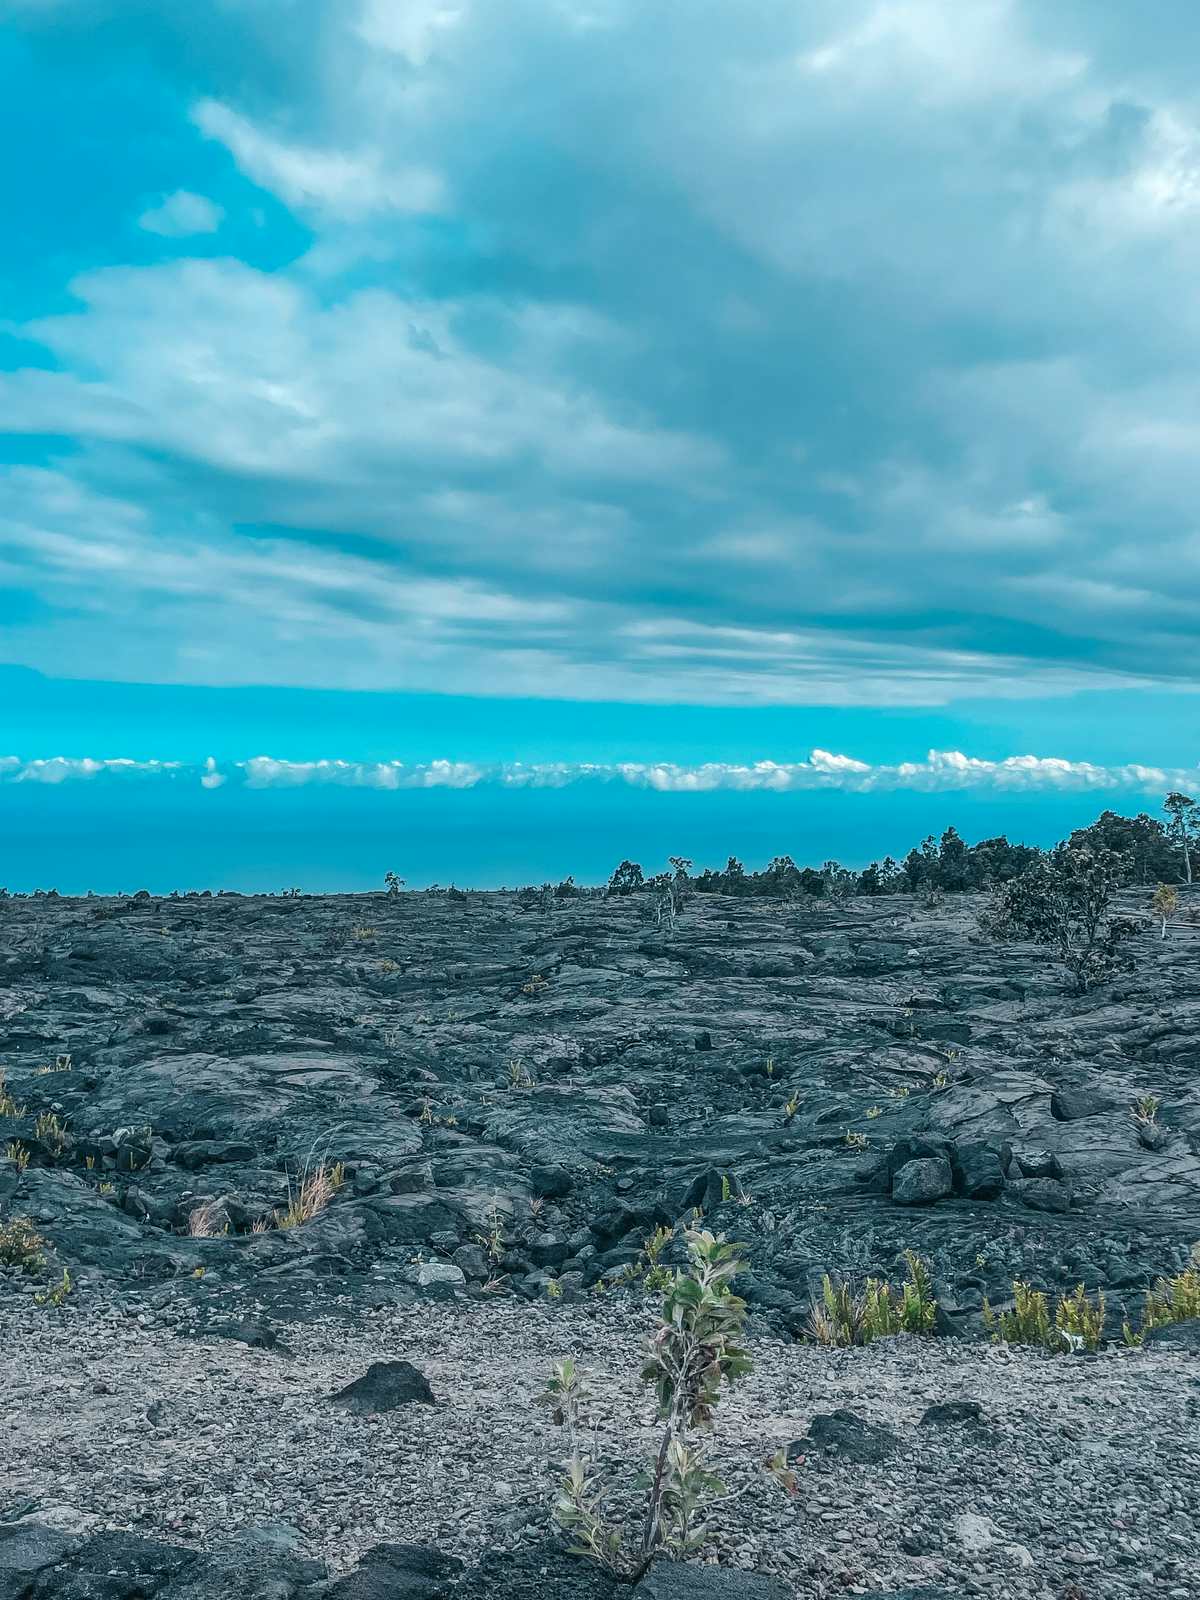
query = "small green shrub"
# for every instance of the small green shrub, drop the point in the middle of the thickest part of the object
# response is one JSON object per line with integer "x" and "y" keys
{"x": 694, "y": 1350}
{"x": 21, "y": 1245}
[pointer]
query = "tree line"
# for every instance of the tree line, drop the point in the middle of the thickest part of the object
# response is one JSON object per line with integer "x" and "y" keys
{"x": 1144, "y": 849}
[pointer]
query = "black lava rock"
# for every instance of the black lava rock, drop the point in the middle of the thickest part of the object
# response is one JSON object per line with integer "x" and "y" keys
{"x": 385, "y": 1386}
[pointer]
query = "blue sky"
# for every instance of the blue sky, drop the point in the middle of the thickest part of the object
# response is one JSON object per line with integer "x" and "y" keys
{"x": 606, "y": 383}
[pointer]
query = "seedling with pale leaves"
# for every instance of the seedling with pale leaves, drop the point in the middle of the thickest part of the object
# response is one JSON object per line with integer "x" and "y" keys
{"x": 694, "y": 1351}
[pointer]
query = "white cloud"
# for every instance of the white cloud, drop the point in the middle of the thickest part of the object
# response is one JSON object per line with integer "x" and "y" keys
{"x": 848, "y": 362}
{"x": 940, "y": 771}
{"x": 182, "y": 214}
{"x": 411, "y": 28}
{"x": 64, "y": 769}
{"x": 343, "y": 184}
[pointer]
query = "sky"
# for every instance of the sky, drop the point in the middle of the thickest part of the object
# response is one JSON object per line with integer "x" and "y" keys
{"x": 468, "y": 431}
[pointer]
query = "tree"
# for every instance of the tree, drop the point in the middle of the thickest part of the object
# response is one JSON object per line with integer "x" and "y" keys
{"x": 1142, "y": 840}
{"x": 839, "y": 881}
{"x": 627, "y": 877}
{"x": 1184, "y": 826}
{"x": 1062, "y": 902}
{"x": 952, "y": 862}
{"x": 1164, "y": 904}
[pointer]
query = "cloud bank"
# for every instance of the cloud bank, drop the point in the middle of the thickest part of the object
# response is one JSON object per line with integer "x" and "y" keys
{"x": 941, "y": 770}
{"x": 839, "y": 353}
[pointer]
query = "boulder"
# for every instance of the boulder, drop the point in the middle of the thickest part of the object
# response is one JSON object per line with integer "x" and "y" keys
{"x": 952, "y": 1413}
{"x": 920, "y": 1183}
{"x": 398, "y": 1572}
{"x": 1041, "y": 1194}
{"x": 687, "y": 1580}
{"x": 385, "y": 1386}
{"x": 1175, "y": 1336}
{"x": 981, "y": 1170}
{"x": 439, "y": 1279}
{"x": 1072, "y": 1105}
{"x": 850, "y": 1437}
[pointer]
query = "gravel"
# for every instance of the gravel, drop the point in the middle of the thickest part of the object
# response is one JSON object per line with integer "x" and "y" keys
{"x": 1080, "y": 1482}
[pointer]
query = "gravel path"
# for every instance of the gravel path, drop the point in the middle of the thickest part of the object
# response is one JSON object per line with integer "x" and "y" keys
{"x": 1083, "y": 1481}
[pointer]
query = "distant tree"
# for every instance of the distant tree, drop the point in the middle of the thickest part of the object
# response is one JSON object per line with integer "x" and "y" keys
{"x": 627, "y": 877}
{"x": 912, "y": 872}
{"x": 1145, "y": 844}
{"x": 994, "y": 861}
{"x": 1184, "y": 826}
{"x": 868, "y": 880}
{"x": 392, "y": 883}
{"x": 881, "y": 877}
{"x": 1062, "y": 902}
{"x": 952, "y": 866}
{"x": 839, "y": 881}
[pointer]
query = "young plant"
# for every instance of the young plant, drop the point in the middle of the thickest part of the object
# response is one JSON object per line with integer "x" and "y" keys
{"x": 57, "y": 1293}
{"x": 50, "y": 1132}
{"x": 694, "y": 1351}
{"x": 1164, "y": 903}
{"x": 310, "y": 1191}
{"x": 21, "y": 1246}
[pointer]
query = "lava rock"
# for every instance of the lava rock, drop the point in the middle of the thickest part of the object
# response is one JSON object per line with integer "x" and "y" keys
{"x": 1175, "y": 1336}
{"x": 981, "y": 1170}
{"x": 385, "y": 1386}
{"x": 953, "y": 1413}
{"x": 1041, "y": 1194}
{"x": 920, "y": 1183}
{"x": 398, "y": 1572}
{"x": 851, "y": 1437}
{"x": 1072, "y": 1105}
{"x": 686, "y": 1580}
{"x": 440, "y": 1280}
{"x": 551, "y": 1181}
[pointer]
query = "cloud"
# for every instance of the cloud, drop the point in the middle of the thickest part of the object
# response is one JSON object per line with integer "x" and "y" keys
{"x": 940, "y": 771}
{"x": 849, "y": 361}
{"x": 65, "y": 769}
{"x": 182, "y": 214}
{"x": 347, "y": 185}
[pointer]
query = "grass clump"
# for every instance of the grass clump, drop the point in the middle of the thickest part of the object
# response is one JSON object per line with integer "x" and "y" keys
{"x": 21, "y": 1245}
{"x": 50, "y": 1132}
{"x": 1076, "y": 1324}
{"x": 8, "y": 1106}
{"x": 310, "y": 1192}
{"x": 844, "y": 1317}
{"x": 1171, "y": 1300}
